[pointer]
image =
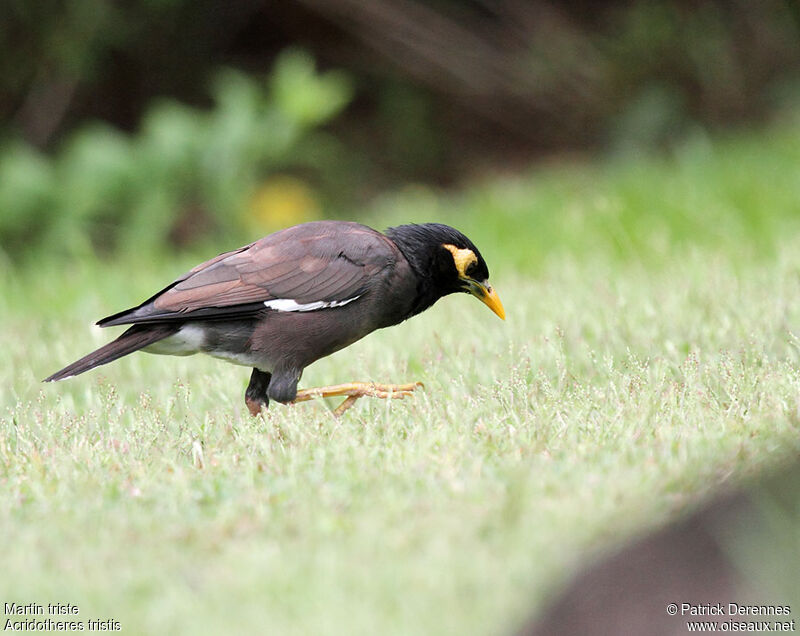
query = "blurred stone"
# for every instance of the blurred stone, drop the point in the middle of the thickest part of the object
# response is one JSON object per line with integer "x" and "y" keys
{"x": 723, "y": 553}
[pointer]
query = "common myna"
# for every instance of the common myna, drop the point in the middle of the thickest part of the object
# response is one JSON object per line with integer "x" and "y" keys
{"x": 296, "y": 296}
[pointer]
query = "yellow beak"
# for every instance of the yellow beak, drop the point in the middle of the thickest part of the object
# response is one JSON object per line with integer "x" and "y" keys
{"x": 487, "y": 295}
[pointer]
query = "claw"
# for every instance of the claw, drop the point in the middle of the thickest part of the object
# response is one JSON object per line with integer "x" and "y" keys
{"x": 348, "y": 402}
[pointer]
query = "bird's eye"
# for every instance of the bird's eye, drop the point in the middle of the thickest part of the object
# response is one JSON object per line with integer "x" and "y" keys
{"x": 470, "y": 271}
{"x": 463, "y": 259}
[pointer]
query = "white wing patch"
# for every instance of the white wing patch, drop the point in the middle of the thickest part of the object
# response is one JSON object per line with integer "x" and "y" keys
{"x": 287, "y": 304}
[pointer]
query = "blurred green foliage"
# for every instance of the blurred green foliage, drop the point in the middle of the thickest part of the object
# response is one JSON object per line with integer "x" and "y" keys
{"x": 468, "y": 88}
{"x": 443, "y": 88}
{"x": 737, "y": 193}
{"x": 187, "y": 173}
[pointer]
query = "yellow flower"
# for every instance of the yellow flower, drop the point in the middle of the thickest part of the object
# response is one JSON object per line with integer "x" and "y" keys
{"x": 281, "y": 201}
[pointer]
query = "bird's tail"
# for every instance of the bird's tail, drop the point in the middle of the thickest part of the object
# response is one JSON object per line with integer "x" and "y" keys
{"x": 133, "y": 339}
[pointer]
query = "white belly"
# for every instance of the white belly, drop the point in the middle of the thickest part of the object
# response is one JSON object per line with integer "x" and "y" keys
{"x": 191, "y": 339}
{"x": 188, "y": 340}
{"x": 243, "y": 359}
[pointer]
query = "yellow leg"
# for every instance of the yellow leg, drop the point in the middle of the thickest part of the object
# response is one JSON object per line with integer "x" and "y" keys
{"x": 355, "y": 390}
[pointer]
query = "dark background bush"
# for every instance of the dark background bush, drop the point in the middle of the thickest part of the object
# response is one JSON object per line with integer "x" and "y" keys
{"x": 143, "y": 122}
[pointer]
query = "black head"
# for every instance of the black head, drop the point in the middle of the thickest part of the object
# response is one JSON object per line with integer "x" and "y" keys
{"x": 445, "y": 262}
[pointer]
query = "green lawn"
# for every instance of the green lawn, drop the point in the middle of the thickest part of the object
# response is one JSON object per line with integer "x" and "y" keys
{"x": 649, "y": 356}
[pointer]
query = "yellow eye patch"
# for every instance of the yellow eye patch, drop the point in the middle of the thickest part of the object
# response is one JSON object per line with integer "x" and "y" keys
{"x": 462, "y": 258}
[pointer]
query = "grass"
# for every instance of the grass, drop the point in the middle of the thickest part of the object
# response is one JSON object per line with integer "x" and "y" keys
{"x": 650, "y": 356}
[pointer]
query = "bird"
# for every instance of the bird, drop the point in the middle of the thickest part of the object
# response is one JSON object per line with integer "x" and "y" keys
{"x": 297, "y": 295}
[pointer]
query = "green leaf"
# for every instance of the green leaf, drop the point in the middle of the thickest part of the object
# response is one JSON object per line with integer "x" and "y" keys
{"x": 304, "y": 96}
{"x": 26, "y": 187}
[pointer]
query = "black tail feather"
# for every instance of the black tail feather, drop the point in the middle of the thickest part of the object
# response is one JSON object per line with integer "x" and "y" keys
{"x": 132, "y": 340}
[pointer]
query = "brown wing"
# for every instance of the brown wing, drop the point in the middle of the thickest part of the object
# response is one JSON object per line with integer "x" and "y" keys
{"x": 320, "y": 262}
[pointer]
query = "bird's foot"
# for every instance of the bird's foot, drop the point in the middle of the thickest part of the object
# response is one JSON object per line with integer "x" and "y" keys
{"x": 355, "y": 390}
{"x": 256, "y": 395}
{"x": 255, "y": 405}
